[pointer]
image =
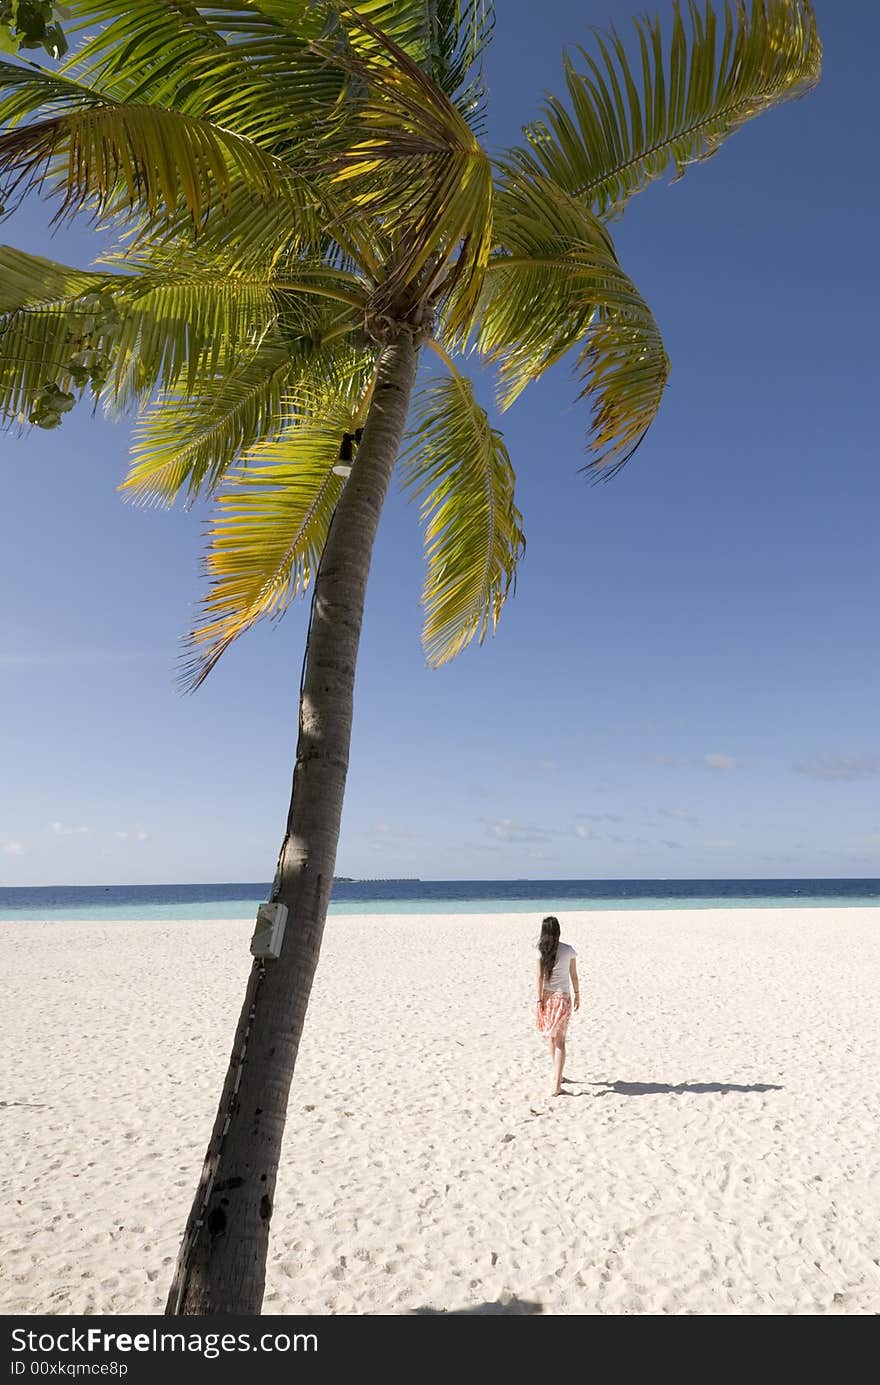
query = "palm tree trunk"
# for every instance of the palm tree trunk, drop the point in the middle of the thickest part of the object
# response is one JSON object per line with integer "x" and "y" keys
{"x": 222, "y": 1263}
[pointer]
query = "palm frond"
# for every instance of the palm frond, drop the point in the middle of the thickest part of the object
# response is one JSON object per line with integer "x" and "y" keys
{"x": 410, "y": 163}
{"x": 175, "y": 325}
{"x": 624, "y": 369}
{"x": 556, "y": 286}
{"x": 248, "y": 234}
{"x": 27, "y": 88}
{"x": 458, "y": 467}
{"x": 627, "y": 122}
{"x": 30, "y": 25}
{"x": 271, "y": 526}
{"x": 235, "y": 64}
{"x": 57, "y": 325}
{"x": 183, "y": 442}
{"x": 184, "y": 328}
{"x": 30, "y": 281}
{"x": 109, "y": 156}
{"x": 447, "y": 39}
{"x": 189, "y": 442}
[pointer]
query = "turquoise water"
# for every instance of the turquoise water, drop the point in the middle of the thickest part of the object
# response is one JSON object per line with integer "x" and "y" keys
{"x": 233, "y": 901}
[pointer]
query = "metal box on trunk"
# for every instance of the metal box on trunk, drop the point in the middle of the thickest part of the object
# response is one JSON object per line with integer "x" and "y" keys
{"x": 269, "y": 932}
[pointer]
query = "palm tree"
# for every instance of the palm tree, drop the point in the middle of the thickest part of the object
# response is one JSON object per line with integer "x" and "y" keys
{"x": 305, "y": 208}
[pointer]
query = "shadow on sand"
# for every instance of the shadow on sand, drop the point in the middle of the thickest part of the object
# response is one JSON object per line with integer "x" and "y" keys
{"x": 668, "y": 1089}
{"x": 522, "y": 1307}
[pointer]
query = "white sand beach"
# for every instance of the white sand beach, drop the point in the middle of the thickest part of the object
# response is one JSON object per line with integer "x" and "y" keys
{"x": 719, "y": 1154}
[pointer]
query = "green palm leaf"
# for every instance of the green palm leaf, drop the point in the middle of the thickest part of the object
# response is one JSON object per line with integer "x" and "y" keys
{"x": 266, "y": 541}
{"x": 457, "y": 466}
{"x": 298, "y": 181}
{"x": 30, "y": 281}
{"x": 628, "y": 122}
{"x": 184, "y": 326}
{"x": 27, "y": 88}
{"x": 110, "y": 156}
{"x": 189, "y": 442}
{"x": 174, "y": 326}
{"x": 189, "y": 146}
{"x": 410, "y": 164}
{"x": 624, "y": 368}
{"x": 57, "y": 325}
{"x": 445, "y": 37}
{"x": 558, "y": 286}
{"x": 235, "y": 64}
{"x": 246, "y": 233}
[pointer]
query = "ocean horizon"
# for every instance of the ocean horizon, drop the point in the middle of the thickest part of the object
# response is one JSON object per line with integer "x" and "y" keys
{"x": 415, "y": 896}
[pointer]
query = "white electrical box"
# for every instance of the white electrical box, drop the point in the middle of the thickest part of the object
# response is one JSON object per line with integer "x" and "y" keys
{"x": 269, "y": 932}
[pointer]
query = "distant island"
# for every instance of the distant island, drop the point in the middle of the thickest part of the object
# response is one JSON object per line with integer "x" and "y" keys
{"x": 377, "y": 880}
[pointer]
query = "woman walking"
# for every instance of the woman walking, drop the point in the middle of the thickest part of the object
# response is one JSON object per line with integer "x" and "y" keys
{"x": 557, "y": 979}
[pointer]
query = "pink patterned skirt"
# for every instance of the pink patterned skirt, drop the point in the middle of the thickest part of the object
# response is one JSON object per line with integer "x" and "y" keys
{"x": 553, "y": 1014}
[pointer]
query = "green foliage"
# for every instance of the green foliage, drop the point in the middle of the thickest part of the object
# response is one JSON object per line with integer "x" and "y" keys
{"x": 457, "y": 466}
{"x": 628, "y": 122}
{"x": 272, "y": 520}
{"x": 49, "y": 404}
{"x": 560, "y": 288}
{"x": 295, "y": 181}
{"x": 31, "y": 24}
{"x": 176, "y": 324}
{"x": 187, "y": 442}
{"x": 58, "y": 333}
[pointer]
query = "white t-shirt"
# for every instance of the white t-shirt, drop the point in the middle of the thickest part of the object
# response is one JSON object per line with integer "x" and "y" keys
{"x": 558, "y": 982}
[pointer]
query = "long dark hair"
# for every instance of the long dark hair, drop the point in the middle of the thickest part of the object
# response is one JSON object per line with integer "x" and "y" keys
{"x": 548, "y": 944}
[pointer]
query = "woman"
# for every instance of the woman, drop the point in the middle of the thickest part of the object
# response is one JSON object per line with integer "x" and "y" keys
{"x": 557, "y": 978}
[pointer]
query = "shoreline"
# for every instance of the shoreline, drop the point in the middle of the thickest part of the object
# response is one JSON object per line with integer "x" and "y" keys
{"x": 719, "y": 1155}
{"x": 401, "y": 910}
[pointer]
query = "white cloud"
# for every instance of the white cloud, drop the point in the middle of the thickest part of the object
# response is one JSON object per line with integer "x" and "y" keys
{"x": 14, "y": 848}
{"x": 722, "y": 762}
{"x": 137, "y": 835}
{"x": 506, "y": 830}
{"x": 61, "y": 829}
{"x": 583, "y": 831}
{"x": 387, "y": 830}
{"x": 840, "y": 767}
{"x": 711, "y": 761}
{"x": 680, "y": 814}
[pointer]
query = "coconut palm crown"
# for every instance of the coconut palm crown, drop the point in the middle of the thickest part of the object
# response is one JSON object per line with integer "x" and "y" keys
{"x": 297, "y": 181}
{"x": 305, "y": 209}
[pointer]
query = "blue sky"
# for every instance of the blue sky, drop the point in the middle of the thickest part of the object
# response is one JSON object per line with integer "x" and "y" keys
{"x": 685, "y": 683}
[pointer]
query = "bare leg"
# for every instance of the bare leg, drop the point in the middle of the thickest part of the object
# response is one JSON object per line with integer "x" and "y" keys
{"x": 558, "y": 1065}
